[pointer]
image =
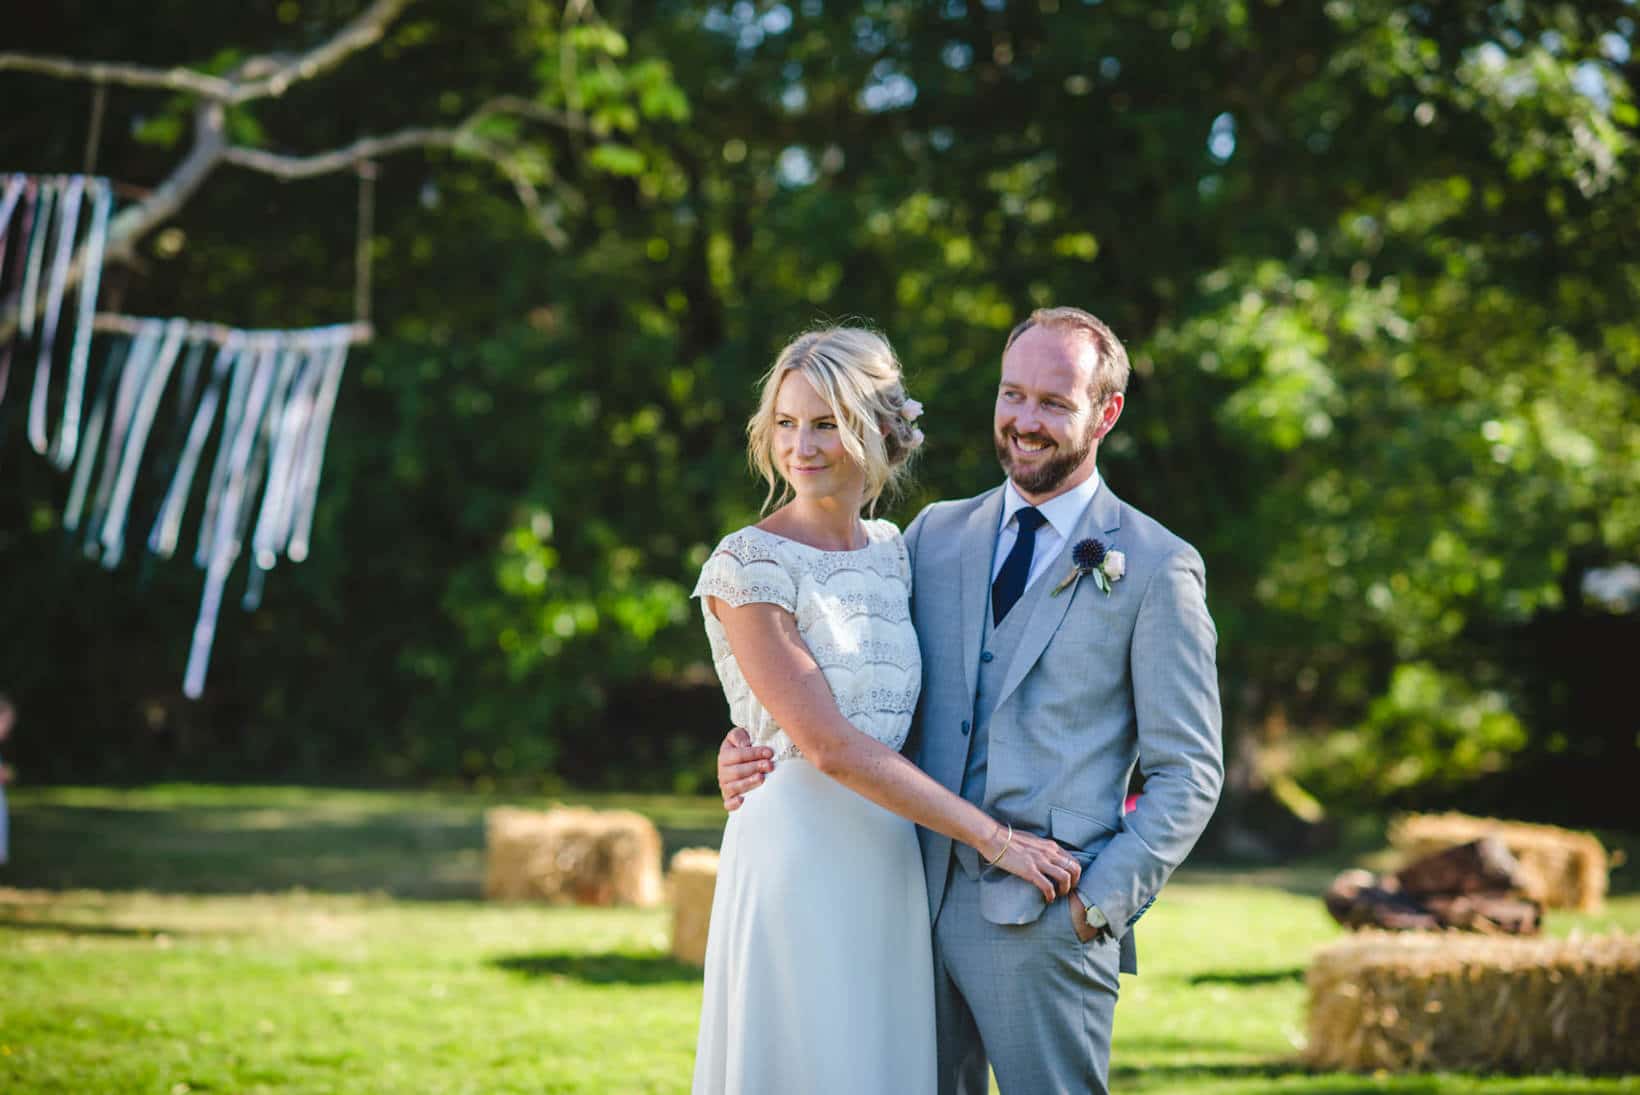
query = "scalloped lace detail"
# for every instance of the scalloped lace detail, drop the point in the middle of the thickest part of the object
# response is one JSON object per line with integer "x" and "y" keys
{"x": 853, "y": 611}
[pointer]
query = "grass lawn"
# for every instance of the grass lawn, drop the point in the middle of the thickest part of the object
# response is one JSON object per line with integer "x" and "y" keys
{"x": 209, "y": 939}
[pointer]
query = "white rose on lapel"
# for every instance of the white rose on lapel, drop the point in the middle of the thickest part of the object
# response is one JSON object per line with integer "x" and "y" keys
{"x": 1093, "y": 557}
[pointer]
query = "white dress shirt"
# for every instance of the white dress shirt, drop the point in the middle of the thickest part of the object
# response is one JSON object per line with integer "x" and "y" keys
{"x": 1062, "y": 512}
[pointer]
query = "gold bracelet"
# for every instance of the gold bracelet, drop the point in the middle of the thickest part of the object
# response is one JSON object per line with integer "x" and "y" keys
{"x": 1005, "y": 843}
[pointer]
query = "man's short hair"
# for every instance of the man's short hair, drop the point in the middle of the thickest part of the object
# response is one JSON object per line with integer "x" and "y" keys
{"x": 1111, "y": 374}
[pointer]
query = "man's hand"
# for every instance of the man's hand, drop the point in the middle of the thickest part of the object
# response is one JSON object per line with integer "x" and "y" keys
{"x": 741, "y": 767}
{"x": 6, "y": 774}
{"x": 1079, "y": 919}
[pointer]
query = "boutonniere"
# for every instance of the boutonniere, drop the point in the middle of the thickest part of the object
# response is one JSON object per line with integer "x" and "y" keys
{"x": 1090, "y": 557}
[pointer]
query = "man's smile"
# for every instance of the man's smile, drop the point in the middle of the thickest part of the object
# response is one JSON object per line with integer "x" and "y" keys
{"x": 1029, "y": 446}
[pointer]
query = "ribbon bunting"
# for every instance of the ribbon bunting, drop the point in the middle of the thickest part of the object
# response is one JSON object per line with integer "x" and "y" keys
{"x": 269, "y": 396}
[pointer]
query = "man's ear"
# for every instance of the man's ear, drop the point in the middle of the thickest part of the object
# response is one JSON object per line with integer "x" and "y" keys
{"x": 1109, "y": 413}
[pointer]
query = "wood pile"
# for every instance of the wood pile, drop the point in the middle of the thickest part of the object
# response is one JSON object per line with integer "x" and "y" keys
{"x": 692, "y": 881}
{"x": 1560, "y": 868}
{"x": 1428, "y": 1002}
{"x": 568, "y": 855}
{"x": 1473, "y": 887}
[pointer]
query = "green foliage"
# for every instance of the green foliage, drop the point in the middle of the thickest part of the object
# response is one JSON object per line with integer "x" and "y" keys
{"x": 1429, "y": 731}
{"x": 1374, "y": 263}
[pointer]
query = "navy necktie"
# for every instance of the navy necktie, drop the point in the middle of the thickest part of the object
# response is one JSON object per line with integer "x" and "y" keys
{"x": 1016, "y": 569}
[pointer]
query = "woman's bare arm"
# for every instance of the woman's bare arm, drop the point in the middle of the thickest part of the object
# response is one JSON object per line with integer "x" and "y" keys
{"x": 790, "y": 685}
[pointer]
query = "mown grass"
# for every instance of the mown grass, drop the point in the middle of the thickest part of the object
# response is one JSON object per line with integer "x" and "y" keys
{"x": 155, "y": 941}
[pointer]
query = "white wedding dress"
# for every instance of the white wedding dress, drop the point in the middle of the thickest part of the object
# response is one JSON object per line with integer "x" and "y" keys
{"x": 819, "y": 972}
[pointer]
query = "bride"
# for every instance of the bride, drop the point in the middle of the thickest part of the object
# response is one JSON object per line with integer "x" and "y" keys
{"x": 819, "y": 971}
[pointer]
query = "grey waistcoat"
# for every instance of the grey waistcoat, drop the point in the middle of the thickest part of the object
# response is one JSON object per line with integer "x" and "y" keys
{"x": 998, "y": 645}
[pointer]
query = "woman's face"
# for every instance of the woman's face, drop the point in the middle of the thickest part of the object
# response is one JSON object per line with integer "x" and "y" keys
{"x": 808, "y": 445}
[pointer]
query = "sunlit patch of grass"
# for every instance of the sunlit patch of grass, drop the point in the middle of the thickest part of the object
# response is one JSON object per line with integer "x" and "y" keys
{"x": 182, "y": 959}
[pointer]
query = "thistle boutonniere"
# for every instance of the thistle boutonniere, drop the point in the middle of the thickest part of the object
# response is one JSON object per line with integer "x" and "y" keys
{"x": 1090, "y": 557}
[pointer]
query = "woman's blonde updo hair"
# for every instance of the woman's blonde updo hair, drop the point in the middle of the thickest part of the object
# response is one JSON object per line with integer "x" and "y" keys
{"x": 855, "y": 371}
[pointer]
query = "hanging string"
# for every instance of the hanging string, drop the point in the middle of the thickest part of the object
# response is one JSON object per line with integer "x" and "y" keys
{"x": 361, "y": 248}
{"x": 93, "y": 137}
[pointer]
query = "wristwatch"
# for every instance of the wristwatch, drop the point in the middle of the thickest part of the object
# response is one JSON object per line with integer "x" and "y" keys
{"x": 1096, "y": 920}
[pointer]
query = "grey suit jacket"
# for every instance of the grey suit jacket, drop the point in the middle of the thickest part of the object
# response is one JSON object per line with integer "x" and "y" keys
{"x": 1098, "y": 684}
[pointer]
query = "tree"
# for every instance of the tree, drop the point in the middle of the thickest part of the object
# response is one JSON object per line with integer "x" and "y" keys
{"x": 1374, "y": 264}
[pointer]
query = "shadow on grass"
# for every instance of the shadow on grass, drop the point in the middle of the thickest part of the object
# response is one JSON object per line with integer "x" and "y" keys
{"x": 610, "y": 968}
{"x": 434, "y": 853}
{"x": 1248, "y": 978}
{"x": 69, "y": 927}
{"x": 1290, "y": 1075}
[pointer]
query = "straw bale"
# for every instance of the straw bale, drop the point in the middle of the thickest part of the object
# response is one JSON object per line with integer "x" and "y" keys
{"x": 1560, "y": 868}
{"x": 1439, "y": 1002}
{"x": 568, "y": 855}
{"x": 692, "y": 881}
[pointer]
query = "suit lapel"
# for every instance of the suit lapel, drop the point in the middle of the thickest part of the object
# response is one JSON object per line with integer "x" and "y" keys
{"x": 979, "y": 539}
{"x": 1102, "y": 518}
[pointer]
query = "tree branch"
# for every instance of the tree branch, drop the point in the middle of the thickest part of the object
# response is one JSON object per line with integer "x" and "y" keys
{"x": 267, "y": 75}
{"x": 258, "y": 78}
{"x": 99, "y": 72}
{"x": 528, "y": 108}
{"x": 460, "y": 139}
{"x": 339, "y": 159}
{"x": 362, "y": 33}
{"x": 131, "y": 223}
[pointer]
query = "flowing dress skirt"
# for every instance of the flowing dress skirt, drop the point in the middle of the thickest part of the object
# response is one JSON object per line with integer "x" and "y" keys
{"x": 819, "y": 972}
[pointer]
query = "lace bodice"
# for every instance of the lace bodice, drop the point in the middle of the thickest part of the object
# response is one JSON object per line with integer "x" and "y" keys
{"x": 853, "y": 610}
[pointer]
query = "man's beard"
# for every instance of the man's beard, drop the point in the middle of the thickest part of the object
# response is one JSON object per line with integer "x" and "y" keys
{"x": 1051, "y": 472}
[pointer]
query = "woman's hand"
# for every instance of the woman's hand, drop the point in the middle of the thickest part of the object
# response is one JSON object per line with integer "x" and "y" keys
{"x": 741, "y": 767}
{"x": 1038, "y": 860}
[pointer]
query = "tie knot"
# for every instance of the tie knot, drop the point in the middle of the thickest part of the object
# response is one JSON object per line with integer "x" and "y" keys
{"x": 1030, "y": 519}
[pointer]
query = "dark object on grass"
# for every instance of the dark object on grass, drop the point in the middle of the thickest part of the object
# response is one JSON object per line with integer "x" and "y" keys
{"x": 1472, "y": 887}
{"x": 1356, "y": 900}
{"x": 1481, "y": 866}
{"x": 1489, "y": 914}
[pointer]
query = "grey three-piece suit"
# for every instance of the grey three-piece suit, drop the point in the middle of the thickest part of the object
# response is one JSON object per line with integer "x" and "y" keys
{"x": 1040, "y": 720}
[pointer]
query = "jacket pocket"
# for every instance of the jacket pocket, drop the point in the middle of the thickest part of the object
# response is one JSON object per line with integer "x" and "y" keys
{"x": 1085, "y": 834}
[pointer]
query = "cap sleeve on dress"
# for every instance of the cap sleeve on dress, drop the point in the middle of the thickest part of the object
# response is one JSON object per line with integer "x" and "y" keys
{"x": 903, "y": 554}
{"x": 744, "y": 571}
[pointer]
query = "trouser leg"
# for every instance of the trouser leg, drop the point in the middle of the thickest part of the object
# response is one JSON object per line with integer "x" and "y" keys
{"x": 962, "y": 1067}
{"x": 1043, "y": 1000}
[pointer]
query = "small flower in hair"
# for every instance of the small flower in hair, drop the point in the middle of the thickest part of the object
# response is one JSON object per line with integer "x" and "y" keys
{"x": 1092, "y": 557}
{"x": 916, "y": 439}
{"x": 911, "y": 410}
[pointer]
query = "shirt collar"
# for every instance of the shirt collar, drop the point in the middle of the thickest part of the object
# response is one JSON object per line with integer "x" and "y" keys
{"x": 1062, "y": 511}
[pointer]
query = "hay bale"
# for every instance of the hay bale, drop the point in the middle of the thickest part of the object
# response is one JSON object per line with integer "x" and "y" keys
{"x": 1559, "y": 868}
{"x": 1417, "y": 1003}
{"x": 568, "y": 855}
{"x": 692, "y": 881}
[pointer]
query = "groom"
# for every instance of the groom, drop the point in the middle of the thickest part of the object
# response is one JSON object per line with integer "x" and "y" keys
{"x": 1065, "y": 640}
